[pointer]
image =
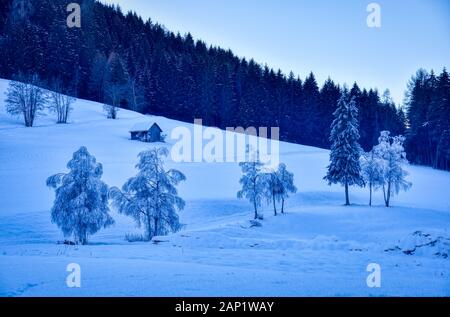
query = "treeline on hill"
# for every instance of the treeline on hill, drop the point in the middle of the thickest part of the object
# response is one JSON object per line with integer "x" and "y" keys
{"x": 118, "y": 58}
{"x": 428, "y": 109}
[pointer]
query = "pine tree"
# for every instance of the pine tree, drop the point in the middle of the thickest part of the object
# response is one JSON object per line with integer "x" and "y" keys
{"x": 418, "y": 100}
{"x": 329, "y": 97}
{"x": 116, "y": 90}
{"x": 136, "y": 88}
{"x": 444, "y": 150}
{"x": 5, "y": 7}
{"x": 310, "y": 116}
{"x": 344, "y": 167}
{"x": 97, "y": 78}
{"x": 151, "y": 197}
{"x": 81, "y": 203}
{"x": 439, "y": 117}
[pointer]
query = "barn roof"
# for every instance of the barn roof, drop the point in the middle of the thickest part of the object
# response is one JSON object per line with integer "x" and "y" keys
{"x": 141, "y": 126}
{"x": 157, "y": 126}
{"x": 144, "y": 126}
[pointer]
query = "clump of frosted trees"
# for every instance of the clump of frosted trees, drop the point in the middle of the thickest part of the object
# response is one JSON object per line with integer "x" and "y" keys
{"x": 381, "y": 168}
{"x": 259, "y": 184}
{"x": 26, "y": 97}
{"x": 81, "y": 204}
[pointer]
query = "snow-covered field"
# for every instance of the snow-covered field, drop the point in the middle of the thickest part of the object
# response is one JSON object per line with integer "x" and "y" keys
{"x": 319, "y": 248}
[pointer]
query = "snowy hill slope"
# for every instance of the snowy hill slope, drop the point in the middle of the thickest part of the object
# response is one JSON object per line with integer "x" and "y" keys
{"x": 318, "y": 248}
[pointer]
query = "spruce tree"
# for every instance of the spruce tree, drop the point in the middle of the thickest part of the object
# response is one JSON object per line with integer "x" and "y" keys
{"x": 344, "y": 165}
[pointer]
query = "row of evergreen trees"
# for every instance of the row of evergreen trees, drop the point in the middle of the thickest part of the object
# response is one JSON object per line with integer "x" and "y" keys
{"x": 123, "y": 61}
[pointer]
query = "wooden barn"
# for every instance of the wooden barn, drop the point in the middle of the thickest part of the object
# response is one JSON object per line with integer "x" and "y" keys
{"x": 146, "y": 132}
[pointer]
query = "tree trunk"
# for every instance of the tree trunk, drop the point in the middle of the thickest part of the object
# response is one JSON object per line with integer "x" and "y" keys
{"x": 347, "y": 200}
{"x": 282, "y": 205}
{"x": 388, "y": 194}
{"x": 256, "y": 210}
{"x": 81, "y": 237}
{"x": 149, "y": 228}
{"x": 274, "y": 205}
{"x": 370, "y": 189}
{"x": 85, "y": 240}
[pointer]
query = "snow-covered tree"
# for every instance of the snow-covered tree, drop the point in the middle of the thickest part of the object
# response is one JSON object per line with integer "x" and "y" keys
{"x": 81, "y": 204}
{"x": 277, "y": 186}
{"x": 391, "y": 150}
{"x": 286, "y": 180}
{"x": 252, "y": 182}
{"x": 272, "y": 189}
{"x": 372, "y": 171}
{"x": 25, "y": 97}
{"x": 345, "y": 168}
{"x": 60, "y": 102}
{"x": 151, "y": 197}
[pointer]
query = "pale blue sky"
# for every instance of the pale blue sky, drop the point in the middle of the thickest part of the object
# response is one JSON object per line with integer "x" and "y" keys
{"x": 328, "y": 37}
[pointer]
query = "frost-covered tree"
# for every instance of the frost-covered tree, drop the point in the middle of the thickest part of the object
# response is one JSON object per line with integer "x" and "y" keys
{"x": 81, "y": 204}
{"x": 151, "y": 197}
{"x": 277, "y": 185}
{"x": 60, "y": 102}
{"x": 286, "y": 180}
{"x": 272, "y": 189}
{"x": 372, "y": 171}
{"x": 252, "y": 182}
{"x": 345, "y": 168}
{"x": 25, "y": 97}
{"x": 391, "y": 150}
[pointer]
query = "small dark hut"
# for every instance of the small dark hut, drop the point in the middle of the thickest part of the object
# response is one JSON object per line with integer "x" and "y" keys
{"x": 145, "y": 132}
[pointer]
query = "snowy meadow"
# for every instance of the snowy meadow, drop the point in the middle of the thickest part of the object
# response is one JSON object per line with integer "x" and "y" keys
{"x": 317, "y": 247}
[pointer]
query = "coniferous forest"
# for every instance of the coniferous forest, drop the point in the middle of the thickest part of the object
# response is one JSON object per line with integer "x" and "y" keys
{"x": 152, "y": 70}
